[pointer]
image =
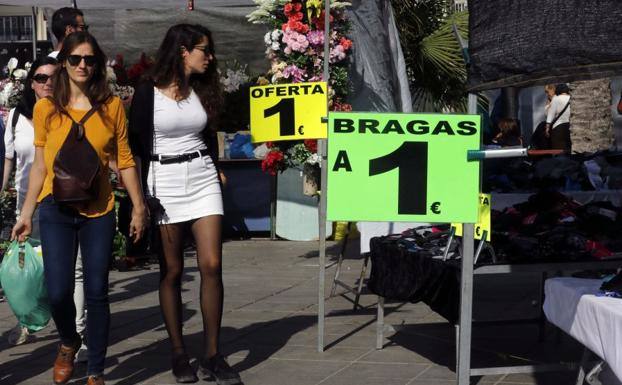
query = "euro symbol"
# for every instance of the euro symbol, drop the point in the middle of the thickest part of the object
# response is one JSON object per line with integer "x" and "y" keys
{"x": 436, "y": 207}
{"x": 300, "y": 131}
{"x": 477, "y": 229}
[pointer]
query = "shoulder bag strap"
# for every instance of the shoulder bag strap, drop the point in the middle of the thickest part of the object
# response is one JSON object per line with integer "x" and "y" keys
{"x": 80, "y": 125}
{"x": 560, "y": 114}
{"x": 14, "y": 122}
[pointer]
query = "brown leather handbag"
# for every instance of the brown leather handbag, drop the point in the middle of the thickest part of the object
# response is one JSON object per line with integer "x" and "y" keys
{"x": 76, "y": 166}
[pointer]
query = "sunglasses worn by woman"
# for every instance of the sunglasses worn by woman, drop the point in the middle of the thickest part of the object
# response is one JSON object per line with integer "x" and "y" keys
{"x": 78, "y": 88}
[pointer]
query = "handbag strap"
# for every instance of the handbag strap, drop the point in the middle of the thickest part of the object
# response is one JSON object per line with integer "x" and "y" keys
{"x": 561, "y": 113}
{"x": 153, "y": 171}
{"x": 79, "y": 126}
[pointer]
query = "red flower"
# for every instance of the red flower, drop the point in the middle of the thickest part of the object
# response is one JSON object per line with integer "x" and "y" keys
{"x": 345, "y": 43}
{"x": 338, "y": 106}
{"x": 296, "y": 26}
{"x": 292, "y": 8}
{"x": 273, "y": 162}
{"x": 311, "y": 145}
{"x": 269, "y": 144}
{"x": 319, "y": 21}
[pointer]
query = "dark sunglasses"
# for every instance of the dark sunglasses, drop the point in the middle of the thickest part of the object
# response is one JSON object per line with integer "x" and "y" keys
{"x": 74, "y": 60}
{"x": 204, "y": 48}
{"x": 41, "y": 78}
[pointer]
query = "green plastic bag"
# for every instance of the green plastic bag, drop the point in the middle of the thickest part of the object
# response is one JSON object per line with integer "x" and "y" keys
{"x": 21, "y": 275}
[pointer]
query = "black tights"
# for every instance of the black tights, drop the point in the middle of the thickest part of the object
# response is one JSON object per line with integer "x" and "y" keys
{"x": 206, "y": 232}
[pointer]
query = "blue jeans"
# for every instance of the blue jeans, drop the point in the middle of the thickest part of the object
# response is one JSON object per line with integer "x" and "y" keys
{"x": 62, "y": 229}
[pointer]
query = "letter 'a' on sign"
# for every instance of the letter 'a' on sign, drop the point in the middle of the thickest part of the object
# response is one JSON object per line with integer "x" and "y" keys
{"x": 288, "y": 111}
{"x": 402, "y": 167}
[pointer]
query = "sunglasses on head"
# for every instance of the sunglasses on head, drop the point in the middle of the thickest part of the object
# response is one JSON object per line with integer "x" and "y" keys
{"x": 41, "y": 78}
{"x": 74, "y": 60}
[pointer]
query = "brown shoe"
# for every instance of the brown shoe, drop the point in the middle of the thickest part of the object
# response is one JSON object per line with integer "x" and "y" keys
{"x": 95, "y": 380}
{"x": 63, "y": 366}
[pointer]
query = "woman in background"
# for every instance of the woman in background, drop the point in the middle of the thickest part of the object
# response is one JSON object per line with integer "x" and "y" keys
{"x": 178, "y": 150}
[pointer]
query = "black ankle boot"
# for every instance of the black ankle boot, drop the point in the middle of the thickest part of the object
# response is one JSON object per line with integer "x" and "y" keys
{"x": 183, "y": 372}
{"x": 216, "y": 368}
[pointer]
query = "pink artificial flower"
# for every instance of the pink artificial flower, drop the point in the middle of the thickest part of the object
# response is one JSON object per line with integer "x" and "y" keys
{"x": 294, "y": 41}
{"x": 337, "y": 54}
{"x": 294, "y": 73}
{"x": 316, "y": 37}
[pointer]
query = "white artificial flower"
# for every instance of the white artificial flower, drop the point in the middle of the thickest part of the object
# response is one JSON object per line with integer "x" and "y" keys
{"x": 110, "y": 75}
{"x": 275, "y": 46}
{"x": 27, "y": 66}
{"x": 6, "y": 93}
{"x": 20, "y": 74}
{"x": 11, "y": 65}
{"x": 267, "y": 38}
{"x": 314, "y": 159}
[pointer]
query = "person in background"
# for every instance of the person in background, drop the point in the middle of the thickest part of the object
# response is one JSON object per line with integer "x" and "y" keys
{"x": 549, "y": 91}
{"x": 20, "y": 151}
{"x": 558, "y": 119}
{"x": 178, "y": 150}
{"x": 80, "y": 87}
{"x": 65, "y": 21}
{"x": 509, "y": 134}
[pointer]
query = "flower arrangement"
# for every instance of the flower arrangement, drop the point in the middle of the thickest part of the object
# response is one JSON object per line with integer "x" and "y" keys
{"x": 115, "y": 71}
{"x": 236, "y": 81}
{"x": 12, "y": 86}
{"x": 233, "y": 76}
{"x": 295, "y": 48}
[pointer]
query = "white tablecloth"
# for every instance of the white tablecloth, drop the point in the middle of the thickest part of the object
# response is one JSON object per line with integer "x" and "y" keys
{"x": 594, "y": 321}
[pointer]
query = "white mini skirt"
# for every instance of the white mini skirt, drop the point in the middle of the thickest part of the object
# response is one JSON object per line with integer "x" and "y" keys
{"x": 186, "y": 190}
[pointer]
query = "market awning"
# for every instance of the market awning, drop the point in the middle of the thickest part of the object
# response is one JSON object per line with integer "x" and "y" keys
{"x": 530, "y": 42}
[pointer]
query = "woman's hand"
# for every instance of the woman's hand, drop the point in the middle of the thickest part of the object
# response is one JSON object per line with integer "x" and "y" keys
{"x": 138, "y": 224}
{"x": 223, "y": 178}
{"x": 22, "y": 229}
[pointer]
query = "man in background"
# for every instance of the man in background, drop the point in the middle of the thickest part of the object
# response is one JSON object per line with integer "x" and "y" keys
{"x": 64, "y": 22}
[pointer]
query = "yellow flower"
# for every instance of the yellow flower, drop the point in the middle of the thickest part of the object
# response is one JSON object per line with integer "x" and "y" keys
{"x": 314, "y": 8}
{"x": 262, "y": 81}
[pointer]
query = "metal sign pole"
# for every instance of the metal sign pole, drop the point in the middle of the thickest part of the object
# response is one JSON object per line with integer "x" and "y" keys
{"x": 463, "y": 366}
{"x": 322, "y": 148}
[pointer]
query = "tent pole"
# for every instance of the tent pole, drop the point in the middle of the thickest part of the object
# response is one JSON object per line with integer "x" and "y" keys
{"x": 74, "y": 3}
{"x": 322, "y": 147}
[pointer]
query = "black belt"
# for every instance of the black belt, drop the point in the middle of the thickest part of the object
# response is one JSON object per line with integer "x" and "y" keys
{"x": 180, "y": 158}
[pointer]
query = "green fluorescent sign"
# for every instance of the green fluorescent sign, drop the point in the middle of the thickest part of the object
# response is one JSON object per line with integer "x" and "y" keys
{"x": 402, "y": 167}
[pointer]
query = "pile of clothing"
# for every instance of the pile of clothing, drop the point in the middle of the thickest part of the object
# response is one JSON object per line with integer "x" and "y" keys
{"x": 551, "y": 227}
{"x": 587, "y": 172}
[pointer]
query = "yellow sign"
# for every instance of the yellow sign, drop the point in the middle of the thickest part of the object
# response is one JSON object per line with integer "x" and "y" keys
{"x": 483, "y": 219}
{"x": 288, "y": 111}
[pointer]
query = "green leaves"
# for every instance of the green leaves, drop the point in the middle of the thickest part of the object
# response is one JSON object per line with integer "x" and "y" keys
{"x": 435, "y": 66}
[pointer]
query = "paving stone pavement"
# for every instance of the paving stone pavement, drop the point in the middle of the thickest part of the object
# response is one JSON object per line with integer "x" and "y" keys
{"x": 269, "y": 328}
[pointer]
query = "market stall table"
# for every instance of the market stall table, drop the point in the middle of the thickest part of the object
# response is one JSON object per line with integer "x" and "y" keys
{"x": 572, "y": 305}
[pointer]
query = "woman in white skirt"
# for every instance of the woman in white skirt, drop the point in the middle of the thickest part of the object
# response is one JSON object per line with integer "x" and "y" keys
{"x": 172, "y": 132}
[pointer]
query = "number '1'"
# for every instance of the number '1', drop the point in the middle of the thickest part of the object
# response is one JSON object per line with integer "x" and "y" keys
{"x": 287, "y": 120}
{"x": 411, "y": 160}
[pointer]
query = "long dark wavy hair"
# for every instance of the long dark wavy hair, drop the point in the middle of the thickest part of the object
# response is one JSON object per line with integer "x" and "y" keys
{"x": 97, "y": 89}
{"x": 169, "y": 68}
{"x": 28, "y": 99}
